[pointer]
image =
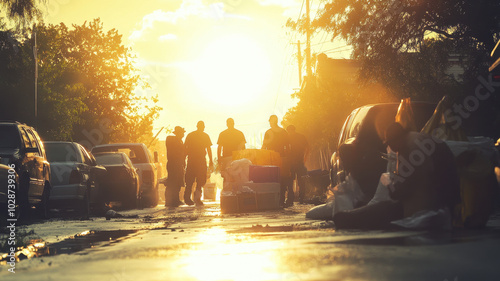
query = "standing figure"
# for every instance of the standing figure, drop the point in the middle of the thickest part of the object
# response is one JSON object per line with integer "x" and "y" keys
{"x": 229, "y": 140}
{"x": 276, "y": 139}
{"x": 299, "y": 149}
{"x": 197, "y": 147}
{"x": 176, "y": 162}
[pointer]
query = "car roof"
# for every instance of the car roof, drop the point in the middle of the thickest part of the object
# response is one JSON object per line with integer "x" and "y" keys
{"x": 119, "y": 145}
{"x": 392, "y": 104}
{"x": 109, "y": 152}
{"x": 13, "y": 123}
{"x": 68, "y": 142}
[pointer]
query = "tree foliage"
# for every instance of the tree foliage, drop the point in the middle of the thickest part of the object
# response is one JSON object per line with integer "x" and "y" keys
{"x": 86, "y": 83}
{"x": 372, "y": 26}
{"x": 390, "y": 36}
{"x": 326, "y": 100}
{"x": 21, "y": 11}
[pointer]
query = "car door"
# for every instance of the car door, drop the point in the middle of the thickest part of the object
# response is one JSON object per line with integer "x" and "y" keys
{"x": 337, "y": 174}
{"x": 34, "y": 161}
{"x": 86, "y": 167}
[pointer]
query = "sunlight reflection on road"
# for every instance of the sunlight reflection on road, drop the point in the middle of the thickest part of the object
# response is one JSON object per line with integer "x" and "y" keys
{"x": 232, "y": 257}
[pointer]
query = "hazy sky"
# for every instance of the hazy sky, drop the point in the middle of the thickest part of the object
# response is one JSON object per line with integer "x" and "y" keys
{"x": 208, "y": 60}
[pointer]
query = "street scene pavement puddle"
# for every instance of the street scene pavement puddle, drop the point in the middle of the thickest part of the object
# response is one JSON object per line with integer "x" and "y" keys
{"x": 190, "y": 243}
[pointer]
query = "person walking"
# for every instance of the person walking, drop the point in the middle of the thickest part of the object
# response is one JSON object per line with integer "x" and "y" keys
{"x": 176, "y": 162}
{"x": 197, "y": 147}
{"x": 229, "y": 140}
{"x": 276, "y": 139}
{"x": 299, "y": 150}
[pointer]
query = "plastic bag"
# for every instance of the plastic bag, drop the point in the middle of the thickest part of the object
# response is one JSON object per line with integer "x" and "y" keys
{"x": 321, "y": 212}
{"x": 476, "y": 163}
{"x": 437, "y": 220}
{"x": 347, "y": 195}
{"x": 238, "y": 170}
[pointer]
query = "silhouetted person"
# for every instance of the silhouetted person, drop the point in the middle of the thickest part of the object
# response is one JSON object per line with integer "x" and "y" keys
{"x": 299, "y": 149}
{"x": 276, "y": 139}
{"x": 176, "y": 162}
{"x": 229, "y": 140}
{"x": 197, "y": 147}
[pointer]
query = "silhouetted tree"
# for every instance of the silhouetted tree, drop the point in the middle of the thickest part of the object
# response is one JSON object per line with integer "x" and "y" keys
{"x": 383, "y": 33}
{"x": 86, "y": 85}
{"x": 21, "y": 11}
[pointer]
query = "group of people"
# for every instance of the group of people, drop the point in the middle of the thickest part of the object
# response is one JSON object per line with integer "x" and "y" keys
{"x": 292, "y": 147}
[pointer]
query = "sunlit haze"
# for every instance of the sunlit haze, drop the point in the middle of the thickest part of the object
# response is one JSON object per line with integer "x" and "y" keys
{"x": 207, "y": 60}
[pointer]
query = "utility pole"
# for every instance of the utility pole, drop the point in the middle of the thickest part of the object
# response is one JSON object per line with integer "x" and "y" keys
{"x": 299, "y": 57}
{"x": 308, "y": 43}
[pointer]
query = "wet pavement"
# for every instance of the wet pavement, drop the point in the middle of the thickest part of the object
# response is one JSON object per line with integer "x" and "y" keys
{"x": 193, "y": 243}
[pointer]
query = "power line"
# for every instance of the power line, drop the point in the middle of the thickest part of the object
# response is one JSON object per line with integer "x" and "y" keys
{"x": 337, "y": 48}
{"x": 338, "y": 51}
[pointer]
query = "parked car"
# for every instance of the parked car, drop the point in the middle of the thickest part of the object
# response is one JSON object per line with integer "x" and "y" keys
{"x": 75, "y": 175}
{"x": 121, "y": 182}
{"x": 22, "y": 154}
{"x": 366, "y": 127}
{"x": 149, "y": 168}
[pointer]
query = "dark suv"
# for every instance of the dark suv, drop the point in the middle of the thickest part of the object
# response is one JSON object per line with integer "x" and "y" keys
{"x": 25, "y": 171}
{"x": 365, "y": 127}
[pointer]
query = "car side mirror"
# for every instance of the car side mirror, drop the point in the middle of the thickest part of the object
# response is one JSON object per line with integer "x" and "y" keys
{"x": 100, "y": 170}
{"x": 156, "y": 157}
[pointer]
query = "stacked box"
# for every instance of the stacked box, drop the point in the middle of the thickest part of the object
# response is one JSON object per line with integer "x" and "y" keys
{"x": 262, "y": 174}
{"x": 267, "y": 195}
{"x": 246, "y": 202}
{"x": 228, "y": 204}
{"x": 210, "y": 191}
{"x": 258, "y": 156}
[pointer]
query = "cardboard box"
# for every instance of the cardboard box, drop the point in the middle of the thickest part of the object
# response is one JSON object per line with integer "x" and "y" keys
{"x": 247, "y": 202}
{"x": 262, "y": 174}
{"x": 228, "y": 204}
{"x": 210, "y": 191}
{"x": 258, "y": 156}
{"x": 267, "y": 201}
{"x": 263, "y": 187}
{"x": 267, "y": 195}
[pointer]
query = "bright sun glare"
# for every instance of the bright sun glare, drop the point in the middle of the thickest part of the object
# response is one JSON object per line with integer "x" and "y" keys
{"x": 232, "y": 71}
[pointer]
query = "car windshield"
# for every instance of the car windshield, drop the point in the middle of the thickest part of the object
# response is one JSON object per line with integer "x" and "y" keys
{"x": 61, "y": 152}
{"x": 10, "y": 137}
{"x": 109, "y": 159}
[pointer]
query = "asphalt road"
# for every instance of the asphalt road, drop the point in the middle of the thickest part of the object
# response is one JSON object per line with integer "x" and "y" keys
{"x": 200, "y": 243}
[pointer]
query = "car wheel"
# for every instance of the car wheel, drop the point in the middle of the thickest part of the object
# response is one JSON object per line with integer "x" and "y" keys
{"x": 140, "y": 201}
{"x": 85, "y": 204}
{"x": 44, "y": 204}
{"x": 23, "y": 205}
{"x": 98, "y": 208}
{"x": 131, "y": 202}
{"x": 155, "y": 197}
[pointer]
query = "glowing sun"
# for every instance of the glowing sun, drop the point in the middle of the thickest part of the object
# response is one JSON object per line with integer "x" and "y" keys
{"x": 231, "y": 71}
